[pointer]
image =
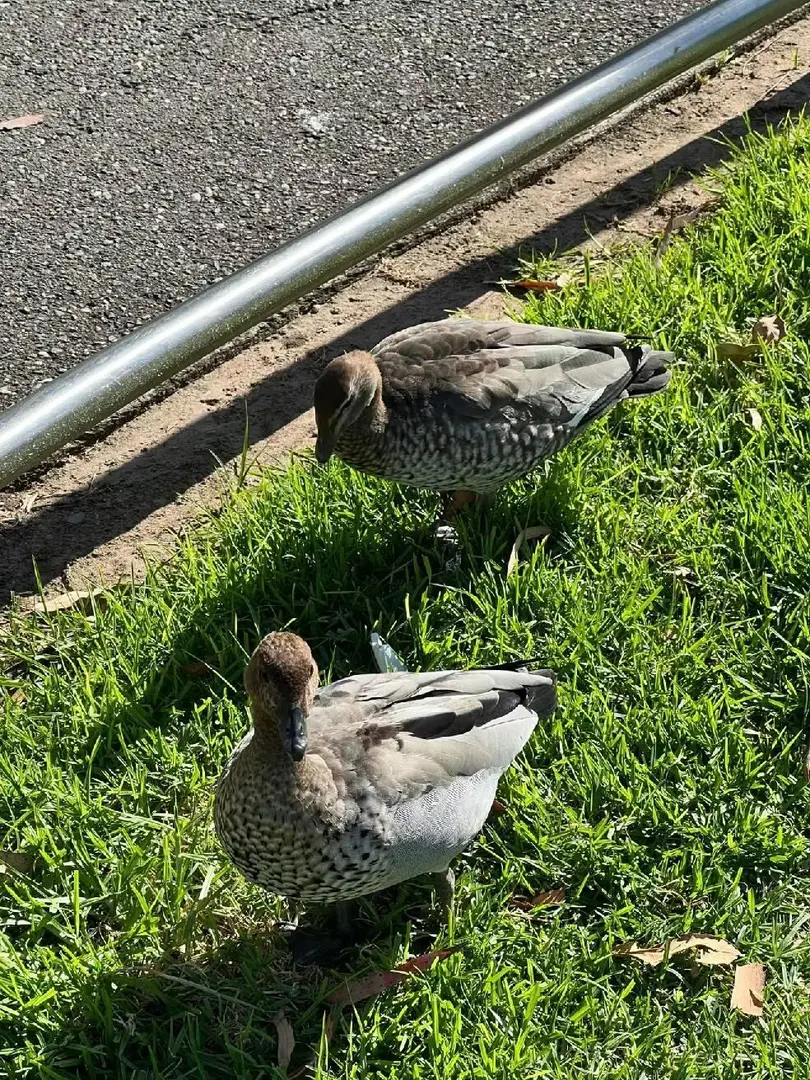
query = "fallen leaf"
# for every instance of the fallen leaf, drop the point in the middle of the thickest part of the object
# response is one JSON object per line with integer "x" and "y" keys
{"x": 770, "y": 329}
{"x": 749, "y": 984}
{"x": 710, "y": 950}
{"x": 371, "y": 985}
{"x": 20, "y": 861}
{"x": 756, "y": 419}
{"x": 683, "y": 572}
{"x": 534, "y": 532}
{"x": 286, "y": 1039}
{"x": 21, "y": 121}
{"x": 549, "y": 898}
{"x": 730, "y": 350}
{"x": 81, "y": 600}
{"x": 535, "y": 285}
{"x": 561, "y": 281}
{"x": 497, "y": 808}
{"x": 677, "y": 222}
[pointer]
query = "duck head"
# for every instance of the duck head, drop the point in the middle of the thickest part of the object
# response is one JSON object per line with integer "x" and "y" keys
{"x": 281, "y": 680}
{"x": 347, "y": 387}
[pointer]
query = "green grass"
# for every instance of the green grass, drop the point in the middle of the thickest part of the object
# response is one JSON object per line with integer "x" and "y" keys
{"x": 667, "y": 794}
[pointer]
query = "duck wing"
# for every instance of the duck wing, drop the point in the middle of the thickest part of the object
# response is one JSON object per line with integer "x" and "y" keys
{"x": 398, "y": 735}
{"x": 554, "y": 375}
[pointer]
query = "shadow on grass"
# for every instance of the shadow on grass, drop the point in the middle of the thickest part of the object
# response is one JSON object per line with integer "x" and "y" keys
{"x": 130, "y": 492}
{"x": 214, "y": 1016}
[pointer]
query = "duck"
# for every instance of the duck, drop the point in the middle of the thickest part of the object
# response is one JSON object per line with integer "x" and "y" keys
{"x": 339, "y": 791}
{"x": 465, "y": 406}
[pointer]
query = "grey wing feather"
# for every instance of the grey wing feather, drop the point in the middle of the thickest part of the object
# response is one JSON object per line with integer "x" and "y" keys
{"x": 554, "y": 375}
{"x": 458, "y": 337}
{"x": 406, "y": 733}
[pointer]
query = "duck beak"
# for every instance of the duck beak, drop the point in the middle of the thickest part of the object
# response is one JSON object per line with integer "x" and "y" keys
{"x": 295, "y": 733}
{"x": 324, "y": 446}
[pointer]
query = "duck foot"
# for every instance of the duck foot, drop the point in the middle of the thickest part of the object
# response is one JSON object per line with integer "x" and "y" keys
{"x": 324, "y": 947}
{"x": 445, "y": 885}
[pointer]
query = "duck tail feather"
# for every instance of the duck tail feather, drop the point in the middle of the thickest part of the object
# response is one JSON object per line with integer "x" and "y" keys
{"x": 651, "y": 373}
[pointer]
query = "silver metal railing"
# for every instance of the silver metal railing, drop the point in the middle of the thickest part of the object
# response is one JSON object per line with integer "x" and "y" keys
{"x": 64, "y": 409}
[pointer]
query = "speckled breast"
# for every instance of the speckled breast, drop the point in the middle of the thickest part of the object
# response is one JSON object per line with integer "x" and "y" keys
{"x": 436, "y": 449}
{"x": 294, "y": 854}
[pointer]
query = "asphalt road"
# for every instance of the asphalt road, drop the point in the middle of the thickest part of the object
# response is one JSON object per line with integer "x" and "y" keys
{"x": 184, "y": 138}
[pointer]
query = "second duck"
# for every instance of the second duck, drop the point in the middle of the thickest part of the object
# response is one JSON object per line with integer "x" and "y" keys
{"x": 464, "y": 406}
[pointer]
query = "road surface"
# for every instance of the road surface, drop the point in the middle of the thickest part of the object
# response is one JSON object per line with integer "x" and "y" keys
{"x": 184, "y": 138}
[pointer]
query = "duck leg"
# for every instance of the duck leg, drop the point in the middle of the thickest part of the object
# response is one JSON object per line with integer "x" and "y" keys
{"x": 452, "y": 503}
{"x": 324, "y": 947}
{"x": 445, "y": 885}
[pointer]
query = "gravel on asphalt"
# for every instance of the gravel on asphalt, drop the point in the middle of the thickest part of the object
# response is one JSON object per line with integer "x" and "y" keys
{"x": 184, "y": 138}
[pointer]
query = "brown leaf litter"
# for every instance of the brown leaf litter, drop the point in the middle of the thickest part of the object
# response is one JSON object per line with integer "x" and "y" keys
{"x": 372, "y": 985}
{"x": 549, "y": 898}
{"x": 286, "y": 1039}
{"x": 678, "y": 222}
{"x": 84, "y": 600}
{"x": 534, "y": 532}
{"x": 708, "y": 950}
{"x": 749, "y": 987}
{"x": 768, "y": 330}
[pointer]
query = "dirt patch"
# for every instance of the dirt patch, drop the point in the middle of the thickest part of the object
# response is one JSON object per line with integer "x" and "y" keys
{"x": 90, "y": 518}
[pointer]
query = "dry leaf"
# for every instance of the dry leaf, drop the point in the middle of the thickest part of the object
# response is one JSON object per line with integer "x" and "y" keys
{"x": 534, "y": 532}
{"x": 756, "y": 419}
{"x": 371, "y": 985}
{"x": 549, "y": 898}
{"x": 677, "y": 222}
{"x": 21, "y": 121}
{"x": 730, "y": 350}
{"x": 534, "y": 285}
{"x": 710, "y": 950}
{"x": 770, "y": 329}
{"x": 683, "y": 572}
{"x": 286, "y": 1039}
{"x": 749, "y": 985}
{"x": 20, "y": 861}
{"x": 81, "y": 600}
{"x": 497, "y": 808}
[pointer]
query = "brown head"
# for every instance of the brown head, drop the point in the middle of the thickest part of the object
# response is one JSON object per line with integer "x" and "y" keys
{"x": 281, "y": 680}
{"x": 347, "y": 387}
